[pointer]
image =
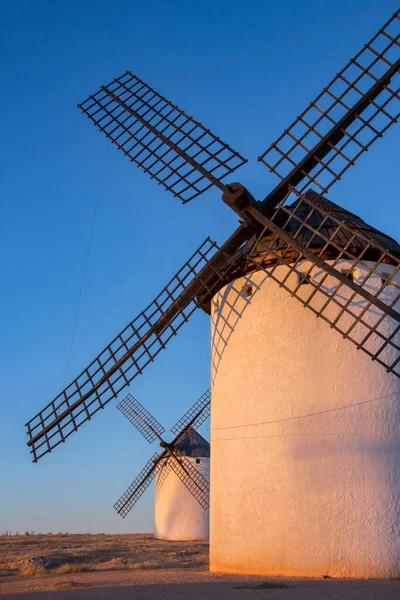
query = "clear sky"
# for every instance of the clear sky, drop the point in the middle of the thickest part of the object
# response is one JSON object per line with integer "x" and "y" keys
{"x": 245, "y": 69}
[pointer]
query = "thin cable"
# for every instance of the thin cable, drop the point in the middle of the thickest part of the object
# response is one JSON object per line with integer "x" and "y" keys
{"x": 281, "y": 435}
{"x": 124, "y": 430}
{"x": 307, "y": 415}
{"x": 86, "y": 264}
{"x": 321, "y": 412}
{"x": 280, "y": 42}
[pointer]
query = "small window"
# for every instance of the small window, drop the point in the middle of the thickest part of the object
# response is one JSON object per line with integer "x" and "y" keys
{"x": 216, "y": 304}
{"x": 197, "y": 461}
{"x": 247, "y": 290}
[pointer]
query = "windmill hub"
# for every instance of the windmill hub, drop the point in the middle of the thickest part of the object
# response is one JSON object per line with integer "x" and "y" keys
{"x": 239, "y": 199}
{"x": 166, "y": 445}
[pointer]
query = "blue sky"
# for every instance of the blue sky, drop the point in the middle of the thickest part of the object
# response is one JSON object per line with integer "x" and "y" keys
{"x": 245, "y": 69}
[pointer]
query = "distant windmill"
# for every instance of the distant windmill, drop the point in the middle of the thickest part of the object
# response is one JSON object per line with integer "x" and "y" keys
{"x": 293, "y": 244}
{"x": 182, "y": 472}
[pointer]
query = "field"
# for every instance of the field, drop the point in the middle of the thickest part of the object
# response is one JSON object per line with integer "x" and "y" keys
{"x": 137, "y": 566}
{"x": 41, "y": 555}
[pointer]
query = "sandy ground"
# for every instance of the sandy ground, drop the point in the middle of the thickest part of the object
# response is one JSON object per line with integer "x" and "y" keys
{"x": 189, "y": 584}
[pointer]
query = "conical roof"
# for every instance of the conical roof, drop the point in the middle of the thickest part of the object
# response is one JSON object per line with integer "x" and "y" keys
{"x": 322, "y": 216}
{"x": 193, "y": 444}
{"x": 327, "y": 226}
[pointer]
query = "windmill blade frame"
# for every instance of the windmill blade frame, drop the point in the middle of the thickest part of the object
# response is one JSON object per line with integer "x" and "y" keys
{"x": 352, "y": 292}
{"x": 141, "y": 418}
{"x": 344, "y": 120}
{"x": 164, "y": 469}
{"x": 138, "y": 486}
{"x": 134, "y": 348}
{"x": 172, "y": 147}
{"x": 193, "y": 480}
{"x": 195, "y": 416}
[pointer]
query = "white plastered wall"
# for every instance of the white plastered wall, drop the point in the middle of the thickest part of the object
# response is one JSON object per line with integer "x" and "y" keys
{"x": 305, "y": 429}
{"x": 177, "y": 514}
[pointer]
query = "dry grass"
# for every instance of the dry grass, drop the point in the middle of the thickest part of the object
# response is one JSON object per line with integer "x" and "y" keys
{"x": 29, "y": 570}
{"x": 72, "y": 568}
{"x": 40, "y": 555}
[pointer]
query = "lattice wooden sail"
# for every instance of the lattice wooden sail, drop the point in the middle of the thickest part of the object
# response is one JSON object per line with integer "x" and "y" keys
{"x": 192, "y": 479}
{"x": 344, "y": 120}
{"x": 138, "y": 486}
{"x": 140, "y": 418}
{"x": 163, "y": 470}
{"x": 196, "y": 415}
{"x": 131, "y": 351}
{"x": 174, "y": 149}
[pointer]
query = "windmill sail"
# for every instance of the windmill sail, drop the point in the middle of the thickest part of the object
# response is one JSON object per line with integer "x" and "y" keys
{"x": 140, "y": 418}
{"x": 173, "y": 148}
{"x": 138, "y": 486}
{"x": 193, "y": 480}
{"x": 343, "y": 121}
{"x": 163, "y": 471}
{"x": 133, "y": 349}
{"x": 196, "y": 415}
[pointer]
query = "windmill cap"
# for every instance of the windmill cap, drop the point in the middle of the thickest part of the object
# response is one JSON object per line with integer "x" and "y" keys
{"x": 324, "y": 216}
{"x": 325, "y": 221}
{"x": 193, "y": 444}
{"x": 340, "y": 214}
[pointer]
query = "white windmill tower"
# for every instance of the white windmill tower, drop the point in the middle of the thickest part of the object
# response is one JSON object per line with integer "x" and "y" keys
{"x": 321, "y": 499}
{"x": 181, "y": 471}
{"x": 307, "y": 423}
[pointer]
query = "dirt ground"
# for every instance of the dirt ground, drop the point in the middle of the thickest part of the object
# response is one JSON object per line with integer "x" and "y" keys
{"x": 172, "y": 584}
{"x": 136, "y": 567}
{"x": 44, "y": 555}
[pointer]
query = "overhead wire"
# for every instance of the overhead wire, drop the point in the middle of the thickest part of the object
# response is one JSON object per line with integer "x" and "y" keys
{"x": 275, "y": 421}
{"x": 89, "y": 246}
{"x": 313, "y": 414}
{"x": 299, "y": 417}
{"x": 305, "y": 434}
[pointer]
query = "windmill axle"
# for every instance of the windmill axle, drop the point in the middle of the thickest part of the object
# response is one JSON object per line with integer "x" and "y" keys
{"x": 239, "y": 199}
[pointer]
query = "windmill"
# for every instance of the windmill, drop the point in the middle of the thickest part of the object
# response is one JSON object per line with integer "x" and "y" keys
{"x": 342, "y": 270}
{"x": 181, "y": 470}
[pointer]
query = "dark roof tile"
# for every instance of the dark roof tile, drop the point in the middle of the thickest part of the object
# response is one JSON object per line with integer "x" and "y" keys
{"x": 338, "y": 214}
{"x": 193, "y": 444}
